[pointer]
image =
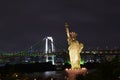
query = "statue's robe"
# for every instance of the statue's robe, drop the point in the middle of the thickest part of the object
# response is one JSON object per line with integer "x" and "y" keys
{"x": 74, "y": 52}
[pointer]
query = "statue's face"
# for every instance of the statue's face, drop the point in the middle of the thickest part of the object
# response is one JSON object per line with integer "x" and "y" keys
{"x": 73, "y": 38}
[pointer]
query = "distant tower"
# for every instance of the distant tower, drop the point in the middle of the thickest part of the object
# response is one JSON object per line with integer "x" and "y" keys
{"x": 49, "y": 48}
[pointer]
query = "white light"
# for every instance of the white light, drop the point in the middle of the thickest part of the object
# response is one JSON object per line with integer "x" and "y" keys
{"x": 35, "y": 79}
{"x": 47, "y": 46}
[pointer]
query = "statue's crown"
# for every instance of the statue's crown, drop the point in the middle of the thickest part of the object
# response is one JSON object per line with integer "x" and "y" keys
{"x": 73, "y": 34}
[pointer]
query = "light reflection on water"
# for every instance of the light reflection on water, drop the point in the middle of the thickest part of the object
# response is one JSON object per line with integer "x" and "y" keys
{"x": 59, "y": 75}
{"x": 56, "y": 75}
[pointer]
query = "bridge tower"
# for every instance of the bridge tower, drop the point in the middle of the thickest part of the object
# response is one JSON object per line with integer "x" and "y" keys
{"x": 49, "y": 48}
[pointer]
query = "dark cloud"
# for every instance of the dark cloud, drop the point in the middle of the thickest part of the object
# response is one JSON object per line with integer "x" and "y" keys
{"x": 25, "y": 22}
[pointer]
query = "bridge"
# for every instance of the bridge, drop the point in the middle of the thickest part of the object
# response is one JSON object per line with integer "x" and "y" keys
{"x": 87, "y": 56}
{"x": 48, "y": 53}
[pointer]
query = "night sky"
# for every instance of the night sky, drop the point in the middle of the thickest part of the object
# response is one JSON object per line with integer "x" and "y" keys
{"x": 23, "y": 23}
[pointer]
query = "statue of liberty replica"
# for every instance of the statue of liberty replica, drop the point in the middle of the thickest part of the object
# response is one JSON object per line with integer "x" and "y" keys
{"x": 75, "y": 48}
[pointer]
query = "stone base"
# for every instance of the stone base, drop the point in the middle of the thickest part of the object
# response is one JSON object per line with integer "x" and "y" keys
{"x": 72, "y": 73}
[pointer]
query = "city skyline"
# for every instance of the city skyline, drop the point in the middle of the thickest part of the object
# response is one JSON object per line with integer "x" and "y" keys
{"x": 24, "y": 23}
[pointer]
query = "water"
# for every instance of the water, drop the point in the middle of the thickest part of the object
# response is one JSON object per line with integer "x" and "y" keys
{"x": 48, "y": 75}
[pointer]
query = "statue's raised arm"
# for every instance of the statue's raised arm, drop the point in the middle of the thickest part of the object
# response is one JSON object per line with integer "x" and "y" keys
{"x": 67, "y": 29}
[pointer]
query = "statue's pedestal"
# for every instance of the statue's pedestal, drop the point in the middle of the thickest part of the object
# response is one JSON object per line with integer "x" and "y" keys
{"x": 72, "y": 73}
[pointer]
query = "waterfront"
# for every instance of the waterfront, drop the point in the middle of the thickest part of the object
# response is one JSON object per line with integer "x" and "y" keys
{"x": 100, "y": 71}
{"x": 47, "y": 75}
{"x": 56, "y": 75}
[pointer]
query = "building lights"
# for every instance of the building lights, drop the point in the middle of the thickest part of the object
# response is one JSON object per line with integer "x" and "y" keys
{"x": 87, "y": 51}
